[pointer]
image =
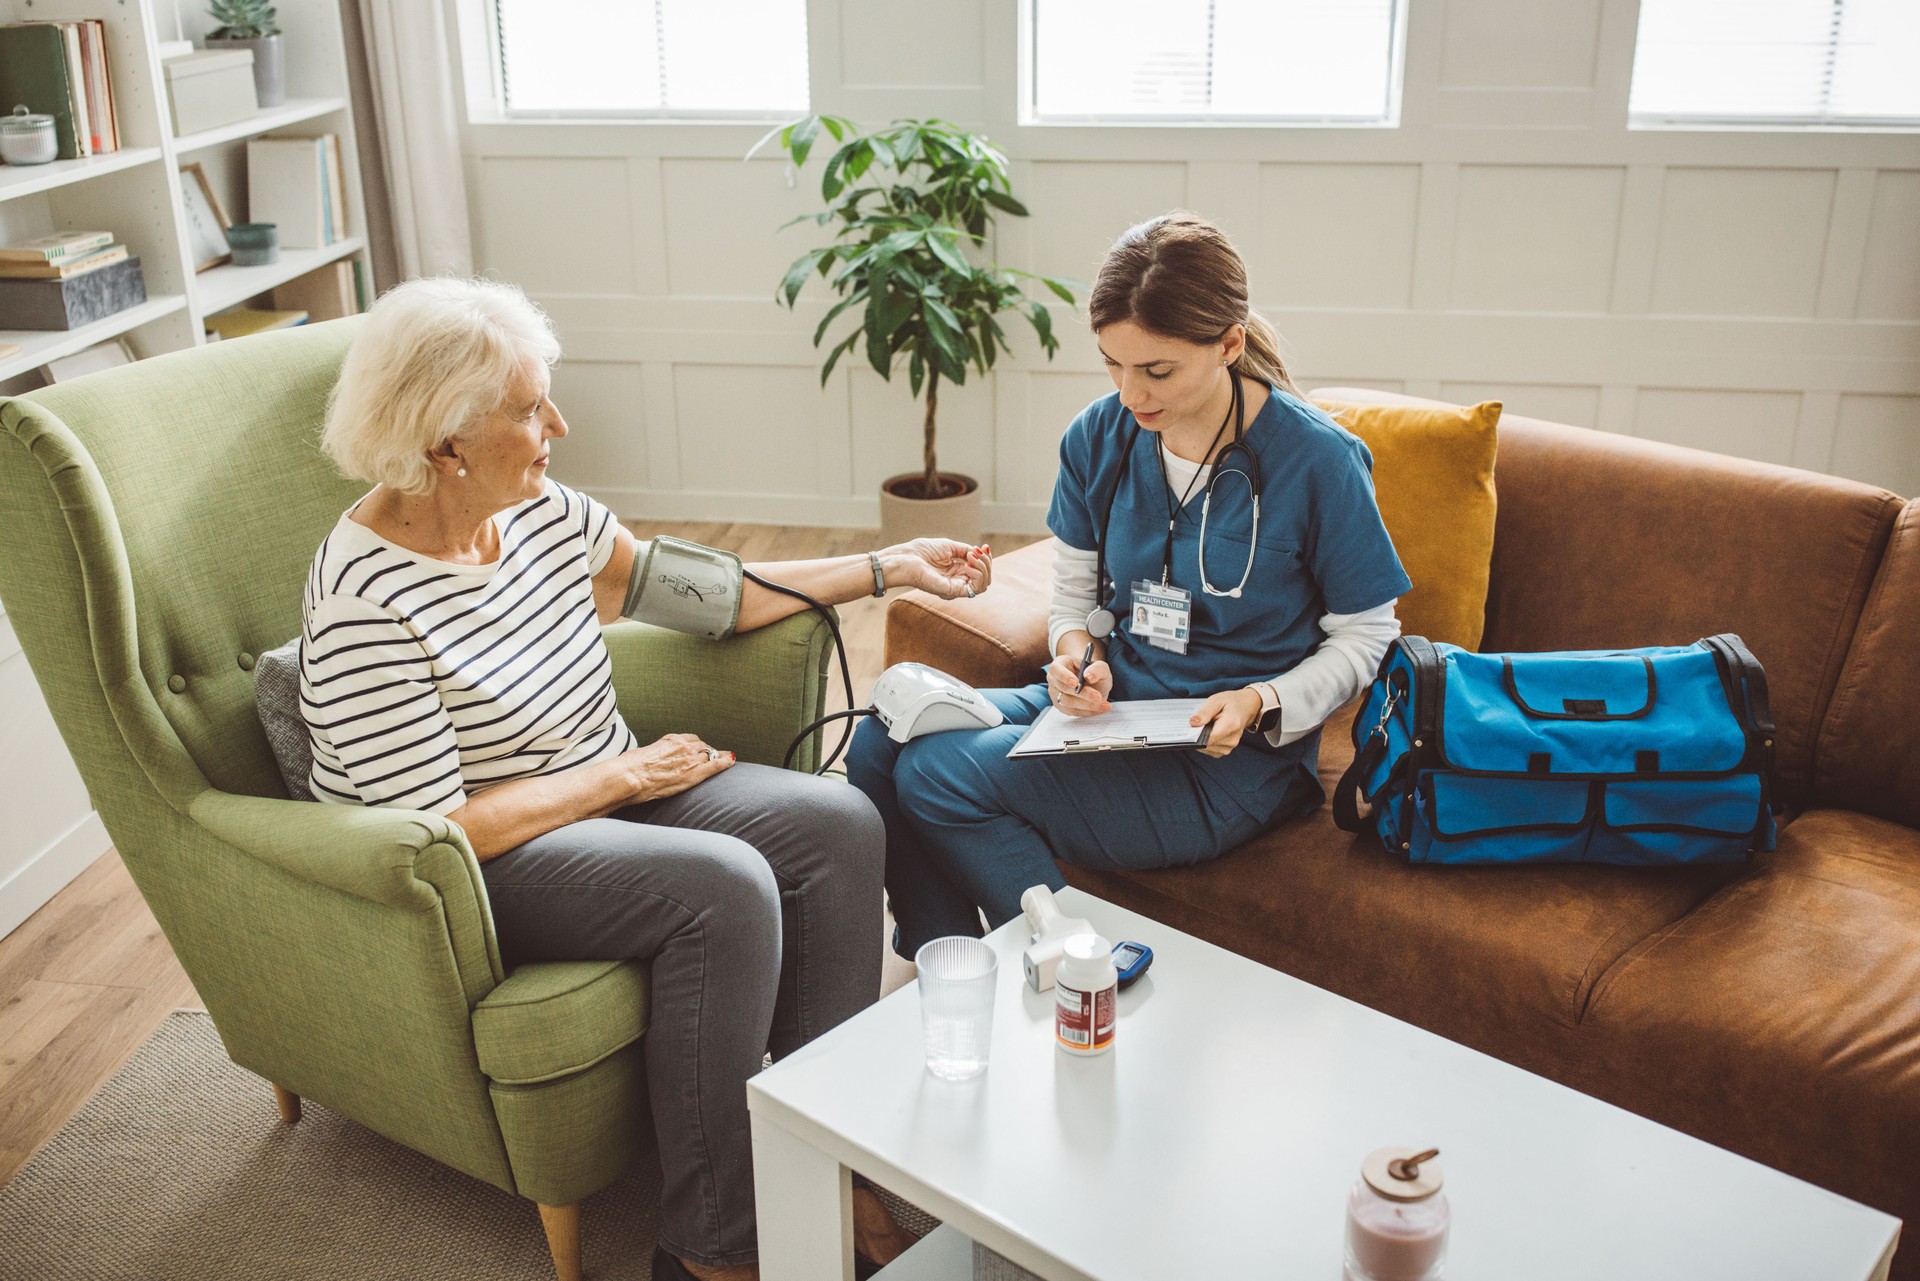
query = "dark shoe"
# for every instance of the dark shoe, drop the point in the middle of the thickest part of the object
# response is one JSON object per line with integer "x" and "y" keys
{"x": 668, "y": 1268}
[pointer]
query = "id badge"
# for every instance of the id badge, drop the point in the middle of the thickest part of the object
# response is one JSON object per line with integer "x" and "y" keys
{"x": 1162, "y": 614}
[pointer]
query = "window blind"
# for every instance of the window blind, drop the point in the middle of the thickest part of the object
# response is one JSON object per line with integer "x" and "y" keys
{"x": 653, "y": 57}
{"x": 1214, "y": 60}
{"x": 1777, "y": 61}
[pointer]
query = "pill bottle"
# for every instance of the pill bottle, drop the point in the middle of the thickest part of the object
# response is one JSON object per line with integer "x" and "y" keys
{"x": 1085, "y": 987}
{"x": 1398, "y": 1218}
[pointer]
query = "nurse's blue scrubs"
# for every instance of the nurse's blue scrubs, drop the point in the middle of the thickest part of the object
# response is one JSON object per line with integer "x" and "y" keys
{"x": 969, "y": 829}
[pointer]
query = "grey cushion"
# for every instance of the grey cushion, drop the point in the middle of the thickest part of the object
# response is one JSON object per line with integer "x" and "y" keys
{"x": 276, "y": 697}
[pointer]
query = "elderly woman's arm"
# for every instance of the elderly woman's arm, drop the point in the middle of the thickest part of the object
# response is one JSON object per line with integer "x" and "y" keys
{"x": 938, "y": 565}
{"x": 511, "y": 814}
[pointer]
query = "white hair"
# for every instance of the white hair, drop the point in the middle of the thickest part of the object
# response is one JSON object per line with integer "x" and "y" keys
{"x": 434, "y": 359}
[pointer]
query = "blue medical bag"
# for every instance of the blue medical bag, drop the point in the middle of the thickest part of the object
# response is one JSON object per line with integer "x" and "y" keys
{"x": 1646, "y": 757}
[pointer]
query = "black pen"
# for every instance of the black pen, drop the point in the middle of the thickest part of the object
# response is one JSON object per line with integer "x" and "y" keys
{"x": 1080, "y": 680}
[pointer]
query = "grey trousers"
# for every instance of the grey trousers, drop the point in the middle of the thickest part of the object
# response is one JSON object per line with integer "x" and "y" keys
{"x": 757, "y": 897}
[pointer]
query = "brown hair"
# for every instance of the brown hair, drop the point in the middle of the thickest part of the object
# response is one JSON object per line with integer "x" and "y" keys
{"x": 1180, "y": 277}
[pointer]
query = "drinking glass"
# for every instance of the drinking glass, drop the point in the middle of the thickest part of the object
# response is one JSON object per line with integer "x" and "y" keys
{"x": 957, "y": 977}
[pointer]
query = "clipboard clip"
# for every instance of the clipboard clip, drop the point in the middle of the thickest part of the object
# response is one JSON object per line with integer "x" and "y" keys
{"x": 1102, "y": 745}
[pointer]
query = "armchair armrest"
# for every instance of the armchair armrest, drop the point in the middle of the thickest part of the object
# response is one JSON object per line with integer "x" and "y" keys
{"x": 406, "y": 859}
{"x": 748, "y": 694}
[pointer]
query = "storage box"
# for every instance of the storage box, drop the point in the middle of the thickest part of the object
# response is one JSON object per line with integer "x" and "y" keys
{"x": 210, "y": 88}
{"x": 75, "y": 301}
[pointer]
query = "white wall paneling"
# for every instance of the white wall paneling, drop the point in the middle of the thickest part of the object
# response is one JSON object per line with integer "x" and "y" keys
{"x": 1747, "y": 291}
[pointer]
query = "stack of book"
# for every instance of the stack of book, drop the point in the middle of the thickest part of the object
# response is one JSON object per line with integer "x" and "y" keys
{"x": 60, "y": 256}
{"x": 67, "y": 280}
{"x": 60, "y": 69}
{"x": 296, "y": 184}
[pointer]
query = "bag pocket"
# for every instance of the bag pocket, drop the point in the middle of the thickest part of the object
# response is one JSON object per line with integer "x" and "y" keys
{"x": 1662, "y": 822}
{"x": 1462, "y": 818}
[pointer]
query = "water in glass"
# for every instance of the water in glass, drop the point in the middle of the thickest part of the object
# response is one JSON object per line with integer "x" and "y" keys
{"x": 957, "y": 977}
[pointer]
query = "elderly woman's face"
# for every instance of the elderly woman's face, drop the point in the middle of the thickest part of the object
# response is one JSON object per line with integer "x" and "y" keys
{"x": 506, "y": 458}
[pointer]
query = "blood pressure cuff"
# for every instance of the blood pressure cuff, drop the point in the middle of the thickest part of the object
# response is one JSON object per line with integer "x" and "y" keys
{"x": 685, "y": 587}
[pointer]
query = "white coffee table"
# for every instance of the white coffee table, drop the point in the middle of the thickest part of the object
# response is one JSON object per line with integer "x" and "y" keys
{"x": 1221, "y": 1135}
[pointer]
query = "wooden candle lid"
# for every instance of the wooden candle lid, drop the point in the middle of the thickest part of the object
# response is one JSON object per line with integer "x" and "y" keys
{"x": 1403, "y": 1174}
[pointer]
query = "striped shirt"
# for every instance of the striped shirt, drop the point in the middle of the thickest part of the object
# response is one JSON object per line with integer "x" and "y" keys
{"x": 424, "y": 681}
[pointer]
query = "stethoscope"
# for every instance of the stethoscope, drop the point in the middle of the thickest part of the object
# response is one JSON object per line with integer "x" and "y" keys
{"x": 1102, "y": 621}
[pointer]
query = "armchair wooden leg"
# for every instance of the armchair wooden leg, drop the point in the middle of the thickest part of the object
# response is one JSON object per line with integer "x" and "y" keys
{"x": 562, "y": 1223}
{"x": 289, "y": 1105}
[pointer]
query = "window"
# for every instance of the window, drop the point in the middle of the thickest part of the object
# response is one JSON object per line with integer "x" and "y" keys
{"x": 1215, "y": 61}
{"x": 679, "y": 58}
{"x": 1794, "y": 62}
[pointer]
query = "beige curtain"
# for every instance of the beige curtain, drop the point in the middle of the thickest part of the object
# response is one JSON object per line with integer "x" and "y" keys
{"x": 406, "y": 104}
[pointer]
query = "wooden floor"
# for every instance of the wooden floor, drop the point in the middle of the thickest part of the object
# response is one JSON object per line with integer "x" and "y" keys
{"x": 86, "y": 979}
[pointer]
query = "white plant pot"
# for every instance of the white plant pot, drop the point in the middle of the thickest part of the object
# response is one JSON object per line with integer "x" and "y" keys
{"x": 903, "y": 519}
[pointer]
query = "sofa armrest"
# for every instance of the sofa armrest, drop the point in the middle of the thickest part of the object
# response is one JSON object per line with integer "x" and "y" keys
{"x": 995, "y": 640}
{"x": 409, "y": 860}
{"x": 748, "y": 694}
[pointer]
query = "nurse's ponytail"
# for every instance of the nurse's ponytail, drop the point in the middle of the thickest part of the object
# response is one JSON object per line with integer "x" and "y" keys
{"x": 1180, "y": 277}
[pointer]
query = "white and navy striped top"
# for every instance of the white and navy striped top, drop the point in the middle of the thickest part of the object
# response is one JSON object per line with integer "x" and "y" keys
{"x": 423, "y": 681}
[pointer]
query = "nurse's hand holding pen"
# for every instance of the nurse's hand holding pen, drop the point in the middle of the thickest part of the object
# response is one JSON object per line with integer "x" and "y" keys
{"x": 1075, "y": 691}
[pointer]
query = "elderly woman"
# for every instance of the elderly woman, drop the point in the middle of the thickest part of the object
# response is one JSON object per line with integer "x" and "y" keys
{"x": 451, "y": 661}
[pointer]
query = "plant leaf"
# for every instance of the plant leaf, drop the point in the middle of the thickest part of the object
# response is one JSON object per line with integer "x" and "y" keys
{"x": 945, "y": 250}
{"x": 833, "y": 357}
{"x": 1043, "y": 325}
{"x": 892, "y": 311}
{"x": 797, "y": 274}
{"x": 1059, "y": 289}
{"x": 800, "y": 143}
{"x": 853, "y": 299}
{"x": 1001, "y": 200}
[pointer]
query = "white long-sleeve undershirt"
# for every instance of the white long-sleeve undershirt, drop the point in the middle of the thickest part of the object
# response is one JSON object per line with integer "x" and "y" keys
{"x": 1318, "y": 686}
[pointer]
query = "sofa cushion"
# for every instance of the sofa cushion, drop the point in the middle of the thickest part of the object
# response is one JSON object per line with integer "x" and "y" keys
{"x": 1433, "y": 479}
{"x": 552, "y": 1019}
{"x": 276, "y": 700}
{"x": 1868, "y": 757}
{"x": 1606, "y": 541}
{"x": 995, "y": 640}
{"x": 1503, "y": 959}
{"x": 1781, "y": 1019}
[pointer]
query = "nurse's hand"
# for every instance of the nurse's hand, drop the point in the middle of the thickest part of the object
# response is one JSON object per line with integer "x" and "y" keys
{"x": 1231, "y": 711}
{"x": 1072, "y": 696}
{"x": 946, "y": 568}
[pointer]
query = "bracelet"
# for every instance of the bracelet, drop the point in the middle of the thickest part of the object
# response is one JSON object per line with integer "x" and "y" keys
{"x": 879, "y": 579}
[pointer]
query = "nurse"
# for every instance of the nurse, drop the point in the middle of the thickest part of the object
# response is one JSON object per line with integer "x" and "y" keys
{"x": 1216, "y": 537}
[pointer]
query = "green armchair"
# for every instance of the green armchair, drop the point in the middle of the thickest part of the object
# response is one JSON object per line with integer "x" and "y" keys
{"x": 156, "y": 524}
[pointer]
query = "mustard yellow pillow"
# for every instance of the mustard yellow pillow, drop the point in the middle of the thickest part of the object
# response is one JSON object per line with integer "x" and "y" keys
{"x": 1433, "y": 473}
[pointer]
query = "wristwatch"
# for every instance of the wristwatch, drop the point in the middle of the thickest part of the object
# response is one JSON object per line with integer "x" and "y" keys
{"x": 1269, "y": 719}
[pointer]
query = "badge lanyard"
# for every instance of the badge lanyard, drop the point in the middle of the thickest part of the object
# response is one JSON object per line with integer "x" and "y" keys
{"x": 1162, "y": 612}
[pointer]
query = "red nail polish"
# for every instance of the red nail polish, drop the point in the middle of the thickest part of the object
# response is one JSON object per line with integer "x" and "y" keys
{"x": 732, "y": 757}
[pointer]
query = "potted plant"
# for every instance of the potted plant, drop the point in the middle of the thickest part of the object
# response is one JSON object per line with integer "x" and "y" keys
{"x": 903, "y": 254}
{"x": 253, "y": 24}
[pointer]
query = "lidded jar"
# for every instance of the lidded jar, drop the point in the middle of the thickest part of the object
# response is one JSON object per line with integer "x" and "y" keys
{"x": 1397, "y": 1218}
{"x": 27, "y": 138}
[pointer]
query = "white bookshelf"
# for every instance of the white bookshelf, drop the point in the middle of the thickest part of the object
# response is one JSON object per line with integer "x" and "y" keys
{"x": 226, "y": 286}
{"x": 51, "y": 833}
{"x": 135, "y": 192}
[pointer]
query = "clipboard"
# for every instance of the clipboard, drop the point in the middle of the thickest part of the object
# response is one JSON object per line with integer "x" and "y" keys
{"x": 1147, "y": 725}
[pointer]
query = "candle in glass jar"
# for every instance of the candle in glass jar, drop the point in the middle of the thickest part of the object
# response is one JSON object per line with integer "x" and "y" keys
{"x": 1397, "y": 1218}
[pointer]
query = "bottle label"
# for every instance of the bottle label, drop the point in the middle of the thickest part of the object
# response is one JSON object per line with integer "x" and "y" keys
{"x": 1084, "y": 1020}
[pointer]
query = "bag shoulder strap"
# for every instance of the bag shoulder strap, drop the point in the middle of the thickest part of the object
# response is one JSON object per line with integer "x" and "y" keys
{"x": 1370, "y": 746}
{"x": 1746, "y": 671}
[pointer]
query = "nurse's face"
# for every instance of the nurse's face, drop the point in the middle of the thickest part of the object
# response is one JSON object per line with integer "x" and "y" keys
{"x": 1167, "y": 383}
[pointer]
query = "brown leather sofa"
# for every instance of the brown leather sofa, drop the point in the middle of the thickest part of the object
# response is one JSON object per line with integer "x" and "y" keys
{"x": 1772, "y": 1009}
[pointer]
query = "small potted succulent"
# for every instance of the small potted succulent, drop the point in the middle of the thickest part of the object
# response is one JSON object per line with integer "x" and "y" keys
{"x": 903, "y": 252}
{"x": 253, "y": 24}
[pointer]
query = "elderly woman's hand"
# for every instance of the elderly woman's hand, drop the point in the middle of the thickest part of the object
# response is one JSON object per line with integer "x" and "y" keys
{"x": 671, "y": 765}
{"x": 942, "y": 566}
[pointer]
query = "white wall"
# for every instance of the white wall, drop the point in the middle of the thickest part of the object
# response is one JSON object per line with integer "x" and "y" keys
{"x": 51, "y": 831}
{"x": 1751, "y": 292}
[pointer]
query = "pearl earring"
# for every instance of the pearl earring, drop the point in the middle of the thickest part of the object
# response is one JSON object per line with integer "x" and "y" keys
{"x": 462, "y": 471}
